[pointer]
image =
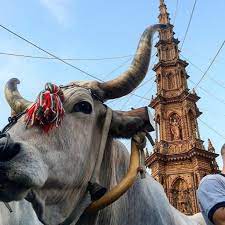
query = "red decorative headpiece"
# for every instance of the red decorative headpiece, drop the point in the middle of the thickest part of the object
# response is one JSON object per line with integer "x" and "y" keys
{"x": 47, "y": 111}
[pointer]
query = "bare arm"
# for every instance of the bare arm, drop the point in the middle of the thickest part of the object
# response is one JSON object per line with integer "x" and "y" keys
{"x": 219, "y": 216}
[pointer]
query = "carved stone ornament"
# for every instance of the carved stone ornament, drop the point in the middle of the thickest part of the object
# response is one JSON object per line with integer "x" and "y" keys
{"x": 175, "y": 127}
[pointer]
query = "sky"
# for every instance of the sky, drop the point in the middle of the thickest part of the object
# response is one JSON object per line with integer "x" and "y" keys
{"x": 83, "y": 29}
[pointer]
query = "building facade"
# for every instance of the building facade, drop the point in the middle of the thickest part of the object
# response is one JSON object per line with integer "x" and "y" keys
{"x": 179, "y": 160}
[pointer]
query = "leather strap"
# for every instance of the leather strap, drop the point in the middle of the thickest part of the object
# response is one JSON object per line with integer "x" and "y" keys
{"x": 105, "y": 131}
{"x": 95, "y": 176}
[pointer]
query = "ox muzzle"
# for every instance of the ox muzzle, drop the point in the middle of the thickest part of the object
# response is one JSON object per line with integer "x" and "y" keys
{"x": 8, "y": 148}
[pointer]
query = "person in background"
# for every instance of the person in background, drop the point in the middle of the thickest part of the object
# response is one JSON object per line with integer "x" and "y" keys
{"x": 211, "y": 196}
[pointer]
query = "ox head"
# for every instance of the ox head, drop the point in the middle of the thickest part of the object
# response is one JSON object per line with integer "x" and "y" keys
{"x": 63, "y": 160}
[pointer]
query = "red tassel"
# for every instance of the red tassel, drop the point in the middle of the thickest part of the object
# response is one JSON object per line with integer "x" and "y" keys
{"x": 47, "y": 111}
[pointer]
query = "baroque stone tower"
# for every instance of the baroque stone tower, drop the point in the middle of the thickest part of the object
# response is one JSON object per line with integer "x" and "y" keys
{"x": 179, "y": 160}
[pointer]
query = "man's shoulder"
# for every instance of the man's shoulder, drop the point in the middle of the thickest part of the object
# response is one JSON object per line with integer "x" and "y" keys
{"x": 212, "y": 179}
{"x": 210, "y": 194}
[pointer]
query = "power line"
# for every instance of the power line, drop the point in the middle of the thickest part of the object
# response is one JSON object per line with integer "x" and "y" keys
{"x": 205, "y": 73}
{"x": 146, "y": 93}
{"x": 49, "y": 53}
{"x": 209, "y": 93}
{"x": 115, "y": 101}
{"x": 189, "y": 23}
{"x": 105, "y": 58}
{"x": 67, "y": 59}
{"x": 199, "y": 69}
{"x": 114, "y": 70}
{"x": 141, "y": 97}
{"x": 74, "y": 59}
{"x": 175, "y": 14}
{"x": 211, "y": 128}
{"x": 125, "y": 103}
{"x": 207, "y": 70}
{"x": 52, "y": 55}
{"x": 133, "y": 94}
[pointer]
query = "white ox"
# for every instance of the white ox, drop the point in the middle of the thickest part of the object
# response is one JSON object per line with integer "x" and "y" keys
{"x": 52, "y": 171}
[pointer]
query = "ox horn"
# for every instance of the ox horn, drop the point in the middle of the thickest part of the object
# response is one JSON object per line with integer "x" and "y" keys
{"x": 137, "y": 71}
{"x": 123, "y": 185}
{"x": 16, "y": 101}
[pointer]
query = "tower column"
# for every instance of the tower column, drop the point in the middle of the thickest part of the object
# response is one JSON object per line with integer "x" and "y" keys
{"x": 197, "y": 129}
{"x": 181, "y": 157}
{"x": 156, "y": 130}
{"x": 188, "y": 127}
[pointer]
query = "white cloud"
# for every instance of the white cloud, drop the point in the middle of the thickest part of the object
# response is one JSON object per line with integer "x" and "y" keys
{"x": 59, "y": 9}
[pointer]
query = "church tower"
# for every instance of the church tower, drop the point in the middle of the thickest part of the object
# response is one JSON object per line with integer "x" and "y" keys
{"x": 179, "y": 160}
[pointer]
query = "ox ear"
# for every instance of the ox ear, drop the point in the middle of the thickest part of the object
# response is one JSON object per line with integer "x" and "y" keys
{"x": 126, "y": 124}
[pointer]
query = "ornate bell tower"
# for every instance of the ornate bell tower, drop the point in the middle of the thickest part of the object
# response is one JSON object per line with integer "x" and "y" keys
{"x": 179, "y": 160}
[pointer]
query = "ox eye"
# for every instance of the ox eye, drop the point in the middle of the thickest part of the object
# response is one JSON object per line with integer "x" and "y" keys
{"x": 84, "y": 107}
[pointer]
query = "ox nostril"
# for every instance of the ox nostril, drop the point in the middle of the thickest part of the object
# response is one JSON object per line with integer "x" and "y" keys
{"x": 7, "y": 153}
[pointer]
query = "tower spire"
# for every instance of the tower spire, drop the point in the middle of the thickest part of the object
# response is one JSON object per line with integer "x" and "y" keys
{"x": 179, "y": 159}
{"x": 164, "y": 15}
{"x": 167, "y": 45}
